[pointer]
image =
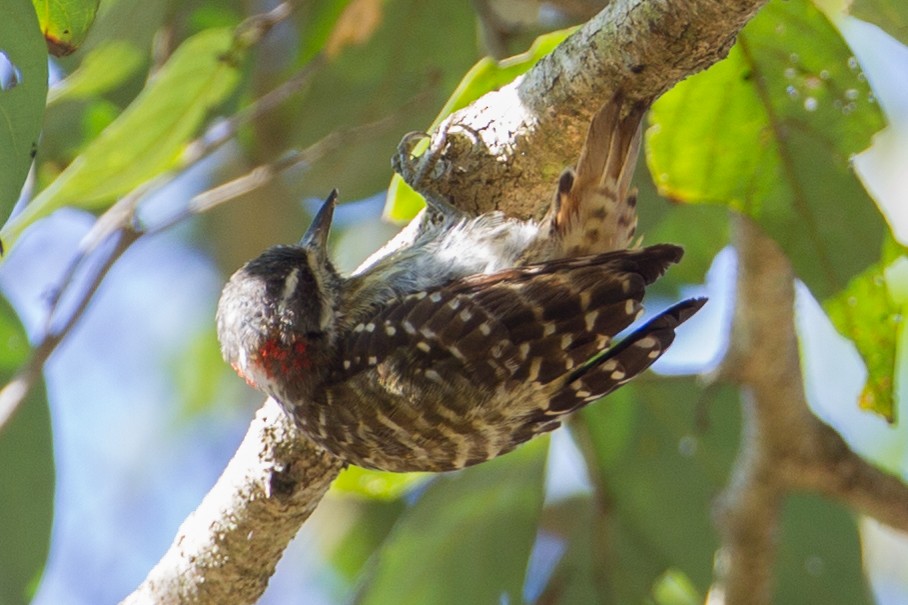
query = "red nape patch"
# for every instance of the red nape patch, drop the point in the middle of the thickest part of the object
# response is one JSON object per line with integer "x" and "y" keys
{"x": 278, "y": 358}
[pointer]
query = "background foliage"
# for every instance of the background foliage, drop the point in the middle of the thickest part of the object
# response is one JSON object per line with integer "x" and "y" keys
{"x": 161, "y": 101}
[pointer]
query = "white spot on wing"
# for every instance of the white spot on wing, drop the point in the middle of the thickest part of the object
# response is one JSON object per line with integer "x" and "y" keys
{"x": 590, "y": 319}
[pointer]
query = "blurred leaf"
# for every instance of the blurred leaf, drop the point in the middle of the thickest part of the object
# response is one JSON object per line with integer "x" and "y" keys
{"x": 701, "y": 230}
{"x": 487, "y": 75}
{"x": 364, "y": 537}
{"x": 214, "y": 14}
{"x": 26, "y": 475}
{"x": 769, "y": 131}
{"x": 675, "y": 588}
{"x": 659, "y": 490}
{"x": 439, "y": 551}
{"x": 317, "y": 21}
{"x": 149, "y": 135}
{"x": 102, "y": 69}
{"x": 890, "y": 15}
{"x": 23, "y": 88}
{"x": 605, "y": 560}
{"x": 867, "y": 313}
{"x": 376, "y": 485}
{"x": 354, "y": 25}
{"x": 198, "y": 372}
{"x": 65, "y": 23}
{"x": 98, "y": 115}
{"x": 660, "y": 484}
{"x": 400, "y": 75}
{"x": 819, "y": 555}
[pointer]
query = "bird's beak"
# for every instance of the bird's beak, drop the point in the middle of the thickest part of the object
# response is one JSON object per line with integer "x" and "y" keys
{"x": 317, "y": 235}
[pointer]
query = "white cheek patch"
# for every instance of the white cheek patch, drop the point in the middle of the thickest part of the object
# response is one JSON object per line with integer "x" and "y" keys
{"x": 290, "y": 284}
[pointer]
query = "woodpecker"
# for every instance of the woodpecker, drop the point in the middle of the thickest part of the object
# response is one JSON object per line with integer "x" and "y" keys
{"x": 483, "y": 333}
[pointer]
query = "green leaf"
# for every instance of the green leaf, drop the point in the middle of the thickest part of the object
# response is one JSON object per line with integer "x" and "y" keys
{"x": 364, "y": 537}
{"x": 487, "y": 75}
{"x": 870, "y": 312}
{"x": 26, "y": 475}
{"x": 675, "y": 588}
{"x": 65, "y": 23}
{"x": 317, "y": 22}
{"x": 148, "y": 137}
{"x": 382, "y": 79}
{"x": 376, "y": 485}
{"x": 660, "y": 482}
{"x": 819, "y": 557}
{"x": 103, "y": 69}
{"x": 22, "y": 94}
{"x": 890, "y": 15}
{"x": 660, "y": 488}
{"x": 769, "y": 131}
{"x": 467, "y": 539}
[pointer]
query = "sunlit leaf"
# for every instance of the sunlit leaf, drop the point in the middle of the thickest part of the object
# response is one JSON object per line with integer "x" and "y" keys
{"x": 435, "y": 554}
{"x": 769, "y": 131}
{"x": 65, "y": 23}
{"x": 26, "y": 475}
{"x": 675, "y": 588}
{"x": 487, "y": 75}
{"x": 101, "y": 70}
{"x": 149, "y": 135}
{"x": 23, "y": 88}
{"x": 891, "y": 15}
{"x": 870, "y": 315}
{"x": 376, "y": 485}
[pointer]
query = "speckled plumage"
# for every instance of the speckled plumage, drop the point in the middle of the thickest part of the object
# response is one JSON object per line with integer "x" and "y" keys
{"x": 484, "y": 332}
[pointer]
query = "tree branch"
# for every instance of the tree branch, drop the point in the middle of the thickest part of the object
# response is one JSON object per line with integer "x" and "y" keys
{"x": 785, "y": 448}
{"x": 505, "y": 151}
{"x": 227, "y": 549}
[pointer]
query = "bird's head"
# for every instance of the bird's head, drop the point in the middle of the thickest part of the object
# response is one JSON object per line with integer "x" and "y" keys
{"x": 276, "y": 316}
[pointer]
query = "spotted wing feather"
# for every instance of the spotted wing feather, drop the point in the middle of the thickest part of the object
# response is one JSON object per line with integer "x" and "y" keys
{"x": 529, "y": 324}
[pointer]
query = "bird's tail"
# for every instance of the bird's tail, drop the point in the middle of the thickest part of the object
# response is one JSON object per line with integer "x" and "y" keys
{"x": 595, "y": 207}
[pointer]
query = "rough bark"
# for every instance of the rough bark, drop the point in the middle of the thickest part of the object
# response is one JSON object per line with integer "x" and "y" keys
{"x": 507, "y": 149}
{"x": 227, "y": 549}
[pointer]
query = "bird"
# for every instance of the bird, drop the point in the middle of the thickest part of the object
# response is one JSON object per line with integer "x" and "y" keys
{"x": 481, "y": 334}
